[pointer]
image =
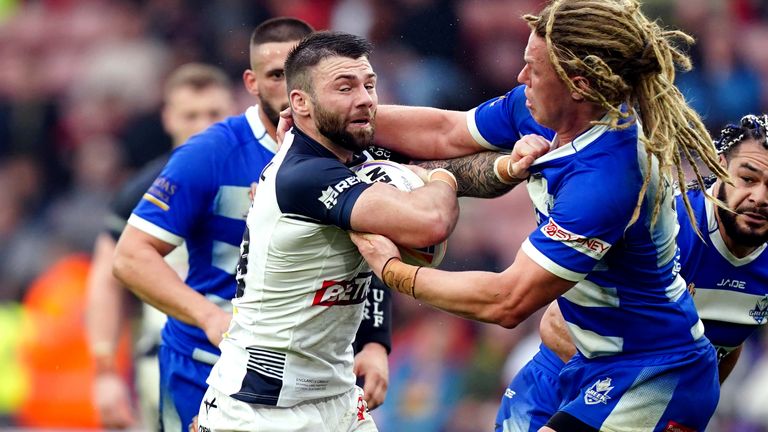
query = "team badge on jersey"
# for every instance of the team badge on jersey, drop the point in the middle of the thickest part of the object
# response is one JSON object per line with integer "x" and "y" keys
{"x": 760, "y": 312}
{"x": 598, "y": 393}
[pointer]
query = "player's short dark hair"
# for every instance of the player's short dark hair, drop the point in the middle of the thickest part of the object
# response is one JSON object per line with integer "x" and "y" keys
{"x": 751, "y": 126}
{"x": 198, "y": 76}
{"x": 280, "y": 29}
{"x": 319, "y": 46}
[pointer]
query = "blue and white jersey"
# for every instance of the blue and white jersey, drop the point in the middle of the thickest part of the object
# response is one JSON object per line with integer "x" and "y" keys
{"x": 627, "y": 290}
{"x": 731, "y": 293}
{"x": 202, "y": 196}
{"x": 301, "y": 283}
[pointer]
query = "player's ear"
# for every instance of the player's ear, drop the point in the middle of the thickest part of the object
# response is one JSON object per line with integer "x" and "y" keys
{"x": 723, "y": 161}
{"x": 582, "y": 84}
{"x": 250, "y": 82}
{"x": 300, "y": 102}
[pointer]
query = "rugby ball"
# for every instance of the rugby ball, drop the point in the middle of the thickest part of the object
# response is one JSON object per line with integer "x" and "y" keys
{"x": 401, "y": 177}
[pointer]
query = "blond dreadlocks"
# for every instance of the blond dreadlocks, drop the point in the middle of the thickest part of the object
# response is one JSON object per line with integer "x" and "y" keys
{"x": 629, "y": 61}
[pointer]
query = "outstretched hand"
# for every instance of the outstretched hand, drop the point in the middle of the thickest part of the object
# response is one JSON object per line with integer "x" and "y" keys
{"x": 375, "y": 248}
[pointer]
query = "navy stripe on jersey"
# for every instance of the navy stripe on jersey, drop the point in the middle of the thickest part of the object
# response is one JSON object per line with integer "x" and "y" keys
{"x": 269, "y": 363}
{"x": 319, "y": 188}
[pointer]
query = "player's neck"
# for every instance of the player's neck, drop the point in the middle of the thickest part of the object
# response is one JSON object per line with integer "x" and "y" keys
{"x": 576, "y": 124}
{"x": 270, "y": 128}
{"x": 311, "y": 131}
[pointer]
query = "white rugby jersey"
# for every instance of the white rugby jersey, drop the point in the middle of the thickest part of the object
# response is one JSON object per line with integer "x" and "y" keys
{"x": 301, "y": 283}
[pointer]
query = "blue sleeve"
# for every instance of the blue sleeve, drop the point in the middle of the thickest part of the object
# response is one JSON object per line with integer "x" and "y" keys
{"x": 319, "y": 188}
{"x": 500, "y": 122}
{"x": 182, "y": 192}
{"x": 588, "y": 216}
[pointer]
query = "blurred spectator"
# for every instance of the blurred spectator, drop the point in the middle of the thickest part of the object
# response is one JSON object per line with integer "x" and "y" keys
{"x": 722, "y": 87}
{"x": 427, "y": 366}
{"x": 54, "y": 351}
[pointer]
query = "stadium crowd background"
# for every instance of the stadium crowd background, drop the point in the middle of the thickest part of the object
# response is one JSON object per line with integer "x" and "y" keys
{"x": 80, "y": 87}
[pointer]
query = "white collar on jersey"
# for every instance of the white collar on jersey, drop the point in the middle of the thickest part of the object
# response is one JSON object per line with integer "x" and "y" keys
{"x": 258, "y": 129}
{"x": 577, "y": 144}
{"x": 717, "y": 238}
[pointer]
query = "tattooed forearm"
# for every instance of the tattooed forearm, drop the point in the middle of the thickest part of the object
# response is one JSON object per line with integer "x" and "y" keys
{"x": 474, "y": 174}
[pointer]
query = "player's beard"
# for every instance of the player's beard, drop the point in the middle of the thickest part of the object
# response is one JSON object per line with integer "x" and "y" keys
{"x": 741, "y": 236}
{"x": 334, "y": 127}
{"x": 272, "y": 114}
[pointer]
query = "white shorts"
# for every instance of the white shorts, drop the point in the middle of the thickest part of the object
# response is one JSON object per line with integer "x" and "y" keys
{"x": 347, "y": 412}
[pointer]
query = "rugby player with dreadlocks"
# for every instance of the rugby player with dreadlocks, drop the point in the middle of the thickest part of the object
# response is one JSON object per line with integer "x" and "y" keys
{"x": 726, "y": 269}
{"x": 600, "y": 115}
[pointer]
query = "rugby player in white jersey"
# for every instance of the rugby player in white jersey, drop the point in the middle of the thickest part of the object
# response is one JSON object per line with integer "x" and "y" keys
{"x": 286, "y": 360}
{"x": 201, "y": 197}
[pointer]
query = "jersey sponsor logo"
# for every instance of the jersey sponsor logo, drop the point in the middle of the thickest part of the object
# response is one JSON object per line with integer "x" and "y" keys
{"x": 673, "y": 426}
{"x": 329, "y": 196}
{"x": 760, "y": 312}
{"x": 509, "y": 393}
{"x": 161, "y": 192}
{"x": 598, "y": 393}
{"x": 374, "y": 309}
{"x": 340, "y": 293}
{"x": 732, "y": 283}
{"x": 592, "y": 247}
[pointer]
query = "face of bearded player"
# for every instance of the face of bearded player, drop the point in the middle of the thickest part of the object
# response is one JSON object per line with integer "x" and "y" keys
{"x": 344, "y": 101}
{"x": 747, "y": 226}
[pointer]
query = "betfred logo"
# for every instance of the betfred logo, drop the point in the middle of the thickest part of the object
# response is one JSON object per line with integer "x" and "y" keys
{"x": 593, "y": 247}
{"x": 677, "y": 427}
{"x": 329, "y": 196}
{"x": 340, "y": 293}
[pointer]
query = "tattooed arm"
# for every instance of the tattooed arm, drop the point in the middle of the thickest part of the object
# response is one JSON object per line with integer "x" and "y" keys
{"x": 475, "y": 175}
{"x": 491, "y": 174}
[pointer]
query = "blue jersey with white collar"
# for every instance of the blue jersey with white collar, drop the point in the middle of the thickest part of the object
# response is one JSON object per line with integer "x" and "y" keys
{"x": 731, "y": 293}
{"x": 202, "y": 196}
{"x": 627, "y": 290}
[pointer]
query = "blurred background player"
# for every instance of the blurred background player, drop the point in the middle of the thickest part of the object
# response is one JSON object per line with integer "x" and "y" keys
{"x": 196, "y": 96}
{"x": 202, "y": 197}
{"x": 727, "y": 271}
